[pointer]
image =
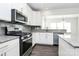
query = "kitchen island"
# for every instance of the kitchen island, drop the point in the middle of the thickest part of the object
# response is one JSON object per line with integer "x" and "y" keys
{"x": 69, "y": 45}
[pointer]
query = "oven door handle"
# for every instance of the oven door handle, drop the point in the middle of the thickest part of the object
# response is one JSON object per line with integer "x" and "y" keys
{"x": 27, "y": 39}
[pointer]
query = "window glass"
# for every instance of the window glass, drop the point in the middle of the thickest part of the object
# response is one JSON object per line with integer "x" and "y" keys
{"x": 67, "y": 26}
{"x": 52, "y": 26}
{"x": 60, "y": 25}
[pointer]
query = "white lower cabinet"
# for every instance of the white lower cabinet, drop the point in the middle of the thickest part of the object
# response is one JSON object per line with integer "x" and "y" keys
{"x": 3, "y": 50}
{"x": 42, "y": 38}
{"x": 13, "y": 51}
{"x": 10, "y": 48}
{"x": 2, "y": 53}
{"x": 35, "y": 37}
{"x": 46, "y": 38}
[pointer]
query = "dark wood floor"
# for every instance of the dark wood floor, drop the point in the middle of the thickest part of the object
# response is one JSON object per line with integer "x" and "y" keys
{"x": 43, "y": 50}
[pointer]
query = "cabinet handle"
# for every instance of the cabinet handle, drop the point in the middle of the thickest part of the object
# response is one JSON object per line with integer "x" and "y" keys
{"x": 1, "y": 54}
{"x": 5, "y": 54}
{"x": 3, "y": 46}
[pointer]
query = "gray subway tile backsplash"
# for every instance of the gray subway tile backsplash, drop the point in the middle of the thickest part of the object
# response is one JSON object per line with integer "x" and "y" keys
{"x": 3, "y": 24}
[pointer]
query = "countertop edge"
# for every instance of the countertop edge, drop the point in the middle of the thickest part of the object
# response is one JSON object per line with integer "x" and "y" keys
{"x": 9, "y": 40}
{"x": 69, "y": 43}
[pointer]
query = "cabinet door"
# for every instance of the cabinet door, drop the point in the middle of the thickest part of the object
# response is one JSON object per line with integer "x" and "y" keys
{"x": 35, "y": 37}
{"x": 46, "y": 38}
{"x": 10, "y": 48}
{"x": 5, "y": 11}
{"x": 36, "y": 18}
{"x": 13, "y": 51}
{"x": 1, "y": 54}
{"x": 3, "y": 49}
{"x": 43, "y": 38}
{"x": 26, "y": 10}
{"x": 13, "y": 48}
{"x": 29, "y": 13}
{"x": 49, "y": 37}
{"x": 17, "y": 6}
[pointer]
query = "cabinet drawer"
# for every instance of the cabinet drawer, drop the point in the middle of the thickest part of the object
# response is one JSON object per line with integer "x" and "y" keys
{"x": 9, "y": 44}
{"x": 13, "y": 42}
{"x": 3, "y": 48}
{"x": 10, "y": 48}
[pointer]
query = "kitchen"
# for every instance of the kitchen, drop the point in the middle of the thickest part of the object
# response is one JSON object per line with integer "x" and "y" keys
{"x": 39, "y": 29}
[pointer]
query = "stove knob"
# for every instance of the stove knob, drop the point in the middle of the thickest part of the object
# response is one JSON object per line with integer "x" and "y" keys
{"x": 22, "y": 37}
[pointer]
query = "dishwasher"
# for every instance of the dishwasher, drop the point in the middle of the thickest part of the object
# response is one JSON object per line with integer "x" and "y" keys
{"x": 56, "y": 38}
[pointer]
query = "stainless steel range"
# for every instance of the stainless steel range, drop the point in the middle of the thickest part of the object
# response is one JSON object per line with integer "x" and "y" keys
{"x": 25, "y": 41}
{"x": 26, "y": 44}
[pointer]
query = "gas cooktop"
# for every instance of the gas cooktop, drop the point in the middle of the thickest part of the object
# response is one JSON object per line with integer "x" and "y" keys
{"x": 17, "y": 33}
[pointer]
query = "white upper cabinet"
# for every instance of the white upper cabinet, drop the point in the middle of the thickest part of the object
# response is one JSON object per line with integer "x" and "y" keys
{"x": 29, "y": 14}
{"x": 37, "y": 19}
{"x": 18, "y": 6}
{"x": 25, "y": 9}
{"x": 5, "y": 11}
{"x": 33, "y": 17}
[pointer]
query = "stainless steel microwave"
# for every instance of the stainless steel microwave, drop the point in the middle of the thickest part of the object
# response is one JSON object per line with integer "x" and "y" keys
{"x": 17, "y": 16}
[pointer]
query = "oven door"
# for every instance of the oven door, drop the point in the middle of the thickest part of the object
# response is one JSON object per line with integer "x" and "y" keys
{"x": 27, "y": 47}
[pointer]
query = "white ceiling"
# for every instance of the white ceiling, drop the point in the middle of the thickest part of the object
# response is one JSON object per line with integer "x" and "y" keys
{"x": 52, "y": 6}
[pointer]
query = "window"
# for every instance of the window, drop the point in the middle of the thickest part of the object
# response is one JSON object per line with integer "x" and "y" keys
{"x": 52, "y": 26}
{"x": 60, "y": 25}
{"x": 67, "y": 26}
